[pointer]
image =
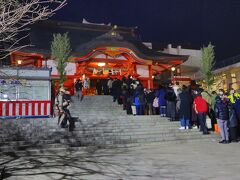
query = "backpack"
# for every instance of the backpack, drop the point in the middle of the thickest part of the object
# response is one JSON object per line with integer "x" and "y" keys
{"x": 155, "y": 102}
{"x": 201, "y": 104}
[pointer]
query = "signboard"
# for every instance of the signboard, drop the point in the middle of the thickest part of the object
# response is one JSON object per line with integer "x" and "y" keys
{"x": 142, "y": 70}
{"x": 70, "y": 68}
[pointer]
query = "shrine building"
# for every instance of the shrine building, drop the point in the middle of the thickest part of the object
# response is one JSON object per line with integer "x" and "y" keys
{"x": 98, "y": 52}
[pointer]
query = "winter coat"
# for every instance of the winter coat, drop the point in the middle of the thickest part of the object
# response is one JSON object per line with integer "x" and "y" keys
{"x": 139, "y": 98}
{"x": 150, "y": 97}
{"x": 185, "y": 107}
{"x": 233, "y": 121}
{"x": 170, "y": 95}
{"x": 116, "y": 88}
{"x": 200, "y": 105}
{"x": 161, "y": 93}
{"x": 221, "y": 109}
{"x": 78, "y": 85}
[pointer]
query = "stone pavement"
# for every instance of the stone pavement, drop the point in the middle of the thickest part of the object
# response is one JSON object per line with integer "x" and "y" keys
{"x": 194, "y": 160}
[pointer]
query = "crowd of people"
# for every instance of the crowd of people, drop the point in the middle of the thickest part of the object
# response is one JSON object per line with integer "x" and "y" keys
{"x": 191, "y": 105}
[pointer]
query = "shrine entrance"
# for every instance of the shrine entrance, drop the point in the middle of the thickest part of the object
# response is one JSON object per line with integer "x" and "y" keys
{"x": 99, "y": 52}
{"x": 105, "y": 63}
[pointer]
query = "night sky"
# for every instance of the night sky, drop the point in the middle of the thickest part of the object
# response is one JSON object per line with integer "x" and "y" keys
{"x": 193, "y": 22}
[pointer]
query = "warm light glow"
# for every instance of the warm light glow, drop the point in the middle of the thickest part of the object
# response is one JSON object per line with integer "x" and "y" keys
{"x": 101, "y": 64}
{"x": 5, "y": 96}
{"x": 173, "y": 68}
{"x": 19, "y": 62}
{"x": 83, "y": 76}
{"x": 153, "y": 77}
{"x": 113, "y": 33}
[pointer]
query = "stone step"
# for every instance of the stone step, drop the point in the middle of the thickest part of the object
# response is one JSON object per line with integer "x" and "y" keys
{"x": 130, "y": 139}
{"x": 101, "y": 123}
{"x": 89, "y": 135}
{"x": 81, "y": 141}
{"x": 7, "y": 147}
{"x": 98, "y": 129}
{"x": 92, "y": 127}
{"x": 92, "y": 136}
{"x": 80, "y": 149}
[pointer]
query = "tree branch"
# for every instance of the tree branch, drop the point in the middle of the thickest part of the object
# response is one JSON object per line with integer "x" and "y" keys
{"x": 15, "y": 17}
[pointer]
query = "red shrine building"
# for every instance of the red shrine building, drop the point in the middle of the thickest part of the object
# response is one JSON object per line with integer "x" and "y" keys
{"x": 98, "y": 52}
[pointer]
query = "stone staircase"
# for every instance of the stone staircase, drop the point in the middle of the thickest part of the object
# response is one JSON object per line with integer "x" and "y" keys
{"x": 101, "y": 123}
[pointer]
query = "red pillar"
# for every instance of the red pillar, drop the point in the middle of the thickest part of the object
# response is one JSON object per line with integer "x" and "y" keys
{"x": 39, "y": 62}
{"x": 150, "y": 76}
{"x": 13, "y": 59}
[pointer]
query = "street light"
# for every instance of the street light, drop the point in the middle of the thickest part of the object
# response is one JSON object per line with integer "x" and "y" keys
{"x": 101, "y": 64}
{"x": 19, "y": 62}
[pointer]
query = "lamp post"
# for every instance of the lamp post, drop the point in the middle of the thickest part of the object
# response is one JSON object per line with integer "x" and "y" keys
{"x": 19, "y": 62}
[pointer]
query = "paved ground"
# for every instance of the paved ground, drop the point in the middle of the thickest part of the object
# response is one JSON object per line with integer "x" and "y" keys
{"x": 196, "y": 160}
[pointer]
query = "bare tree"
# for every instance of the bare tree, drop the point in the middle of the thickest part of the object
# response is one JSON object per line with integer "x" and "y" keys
{"x": 17, "y": 15}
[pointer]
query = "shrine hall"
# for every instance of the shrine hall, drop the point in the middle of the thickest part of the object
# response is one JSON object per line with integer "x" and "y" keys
{"x": 98, "y": 52}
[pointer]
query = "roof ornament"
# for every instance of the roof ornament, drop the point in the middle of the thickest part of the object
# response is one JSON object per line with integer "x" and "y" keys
{"x": 84, "y": 21}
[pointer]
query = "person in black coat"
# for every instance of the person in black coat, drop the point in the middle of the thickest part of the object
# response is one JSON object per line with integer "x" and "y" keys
{"x": 171, "y": 103}
{"x": 185, "y": 108}
{"x": 99, "y": 87}
{"x": 105, "y": 87}
{"x": 222, "y": 114}
{"x": 116, "y": 90}
{"x": 150, "y": 96}
{"x": 233, "y": 124}
{"x": 129, "y": 81}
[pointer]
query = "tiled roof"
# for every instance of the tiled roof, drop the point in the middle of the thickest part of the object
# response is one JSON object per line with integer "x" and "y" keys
{"x": 86, "y": 37}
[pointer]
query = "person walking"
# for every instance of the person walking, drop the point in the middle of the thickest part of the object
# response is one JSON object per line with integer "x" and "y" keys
{"x": 171, "y": 103}
{"x": 211, "y": 109}
{"x": 185, "y": 108}
{"x": 109, "y": 84}
{"x": 99, "y": 87}
{"x": 78, "y": 88}
{"x": 234, "y": 99}
{"x": 233, "y": 124}
{"x": 139, "y": 100}
{"x": 201, "y": 108}
{"x": 162, "y": 103}
{"x": 62, "y": 103}
{"x": 150, "y": 96}
{"x": 222, "y": 114}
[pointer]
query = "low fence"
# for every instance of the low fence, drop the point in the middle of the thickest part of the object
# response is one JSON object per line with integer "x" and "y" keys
{"x": 25, "y": 109}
